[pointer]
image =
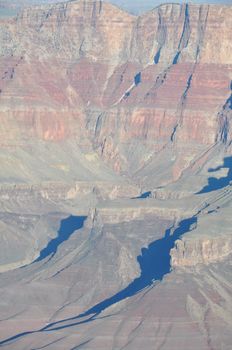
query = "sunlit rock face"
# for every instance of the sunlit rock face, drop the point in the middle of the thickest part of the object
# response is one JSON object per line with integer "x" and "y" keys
{"x": 131, "y": 86}
{"x": 115, "y": 177}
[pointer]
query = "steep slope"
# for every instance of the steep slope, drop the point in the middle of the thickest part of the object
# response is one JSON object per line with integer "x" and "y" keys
{"x": 132, "y": 88}
{"x": 115, "y": 177}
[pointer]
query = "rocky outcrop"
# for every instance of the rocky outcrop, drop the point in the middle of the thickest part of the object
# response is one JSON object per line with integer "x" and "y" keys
{"x": 125, "y": 121}
{"x": 203, "y": 251}
{"x": 129, "y": 88}
{"x": 210, "y": 241}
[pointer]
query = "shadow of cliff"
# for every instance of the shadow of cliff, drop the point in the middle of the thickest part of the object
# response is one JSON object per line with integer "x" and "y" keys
{"x": 155, "y": 263}
{"x": 219, "y": 183}
{"x": 143, "y": 195}
{"x": 67, "y": 227}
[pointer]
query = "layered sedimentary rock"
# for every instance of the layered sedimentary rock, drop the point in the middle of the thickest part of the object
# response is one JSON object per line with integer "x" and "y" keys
{"x": 134, "y": 86}
{"x": 204, "y": 251}
{"x": 211, "y": 241}
{"x": 122, "y": 123}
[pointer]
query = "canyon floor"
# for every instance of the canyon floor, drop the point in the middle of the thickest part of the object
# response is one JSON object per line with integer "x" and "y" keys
{"x": 115, "y": 178}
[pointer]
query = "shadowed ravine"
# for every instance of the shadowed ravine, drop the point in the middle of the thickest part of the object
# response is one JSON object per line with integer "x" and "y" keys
{"x": 216, "y": 184}
{"x": 154, "y": 263}
{"x": 67, "y": 227}
{"x": 143, "y": 195}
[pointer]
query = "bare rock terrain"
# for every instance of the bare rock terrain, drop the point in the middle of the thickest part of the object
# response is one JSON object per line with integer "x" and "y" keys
{"x": 115, "y": 177}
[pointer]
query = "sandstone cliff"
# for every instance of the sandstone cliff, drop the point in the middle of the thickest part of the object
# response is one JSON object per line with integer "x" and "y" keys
{"x": 131, "y": 88}
{"x": 124, "y": 121}
{"x": 203, "y": 251}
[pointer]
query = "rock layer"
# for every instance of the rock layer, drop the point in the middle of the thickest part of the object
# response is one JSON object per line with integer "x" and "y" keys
{"x": 204, "y": 251}
{"x": 126, "y": 120}
{"x": 133, "y": 86}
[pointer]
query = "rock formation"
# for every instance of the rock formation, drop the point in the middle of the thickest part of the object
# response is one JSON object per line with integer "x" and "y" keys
{"x": 124, "y": 121}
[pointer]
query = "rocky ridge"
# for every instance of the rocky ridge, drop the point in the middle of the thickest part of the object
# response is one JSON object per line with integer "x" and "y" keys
{"x": 167, "y": 58}
{"x": 125, "y": 121}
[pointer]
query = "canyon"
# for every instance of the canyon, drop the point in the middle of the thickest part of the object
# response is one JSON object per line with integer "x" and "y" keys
{"x": 115, "y": 177}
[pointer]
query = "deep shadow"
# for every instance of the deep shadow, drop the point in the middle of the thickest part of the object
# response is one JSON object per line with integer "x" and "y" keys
{"x": 216, "y": 184}
{"x": 157, "y": 56}
{"x": 143, "y": 195}
{"x": 137, "y": 79}
{"x": 175, "y": 60}
{"x": 67, "y": 227}
{"x": 228, "y": 103}
{"x": 154, "y": 263}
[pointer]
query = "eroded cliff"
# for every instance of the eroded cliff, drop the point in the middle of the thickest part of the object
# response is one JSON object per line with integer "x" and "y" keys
{"x": 121, "y": 125}
{"x": 131, "y": 88}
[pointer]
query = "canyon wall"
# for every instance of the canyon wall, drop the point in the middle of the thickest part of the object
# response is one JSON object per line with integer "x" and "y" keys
{"x": 125, "y": 121}
{"x": 130, "y": 88}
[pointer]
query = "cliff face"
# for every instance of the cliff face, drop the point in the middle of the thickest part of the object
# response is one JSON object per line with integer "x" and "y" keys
{"x": 128, "y": 87}
{"x": 124, "y": 121}
{"x": 210, "y": 242}
{"x": 203, "y": 251}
